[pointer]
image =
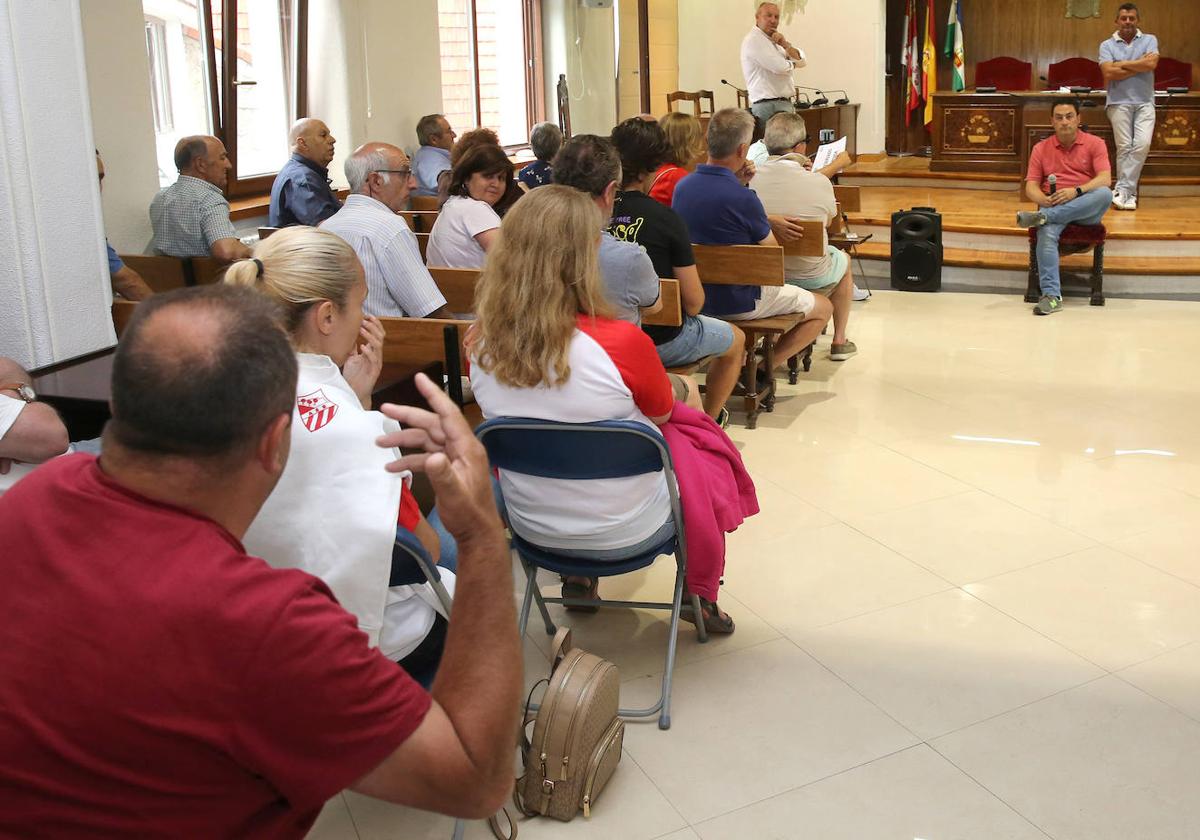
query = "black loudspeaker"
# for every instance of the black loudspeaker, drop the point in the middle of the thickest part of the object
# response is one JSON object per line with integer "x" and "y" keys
{"x": 917, "y": 250}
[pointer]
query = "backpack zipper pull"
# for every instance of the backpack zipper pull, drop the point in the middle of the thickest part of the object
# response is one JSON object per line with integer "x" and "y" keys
{"x": 587, "y": 807}
{"x": 562, "y": 776}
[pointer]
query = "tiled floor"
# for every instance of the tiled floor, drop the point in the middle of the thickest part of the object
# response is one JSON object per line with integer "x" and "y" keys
{"x": 969, "y": 609}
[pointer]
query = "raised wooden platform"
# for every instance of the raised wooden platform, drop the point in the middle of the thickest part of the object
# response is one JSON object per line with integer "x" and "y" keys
{"x": 1151, "y": 252}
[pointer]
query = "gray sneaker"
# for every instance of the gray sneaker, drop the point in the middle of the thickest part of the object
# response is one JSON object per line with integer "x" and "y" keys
{"x": 1048, "y": 305}
{"x": 1030, "y": 218}
{"x": 842, "y": 352}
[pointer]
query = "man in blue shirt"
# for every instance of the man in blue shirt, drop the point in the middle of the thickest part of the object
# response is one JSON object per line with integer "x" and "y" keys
{"x": 719, "y": 209}
{"x": 1127, "y": 60}
{"x": 433, "y": 158}
{"x": 302, "y": 193}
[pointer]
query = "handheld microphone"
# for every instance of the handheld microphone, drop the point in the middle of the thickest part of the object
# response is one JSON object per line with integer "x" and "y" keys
{"x": 1053, "y": 181}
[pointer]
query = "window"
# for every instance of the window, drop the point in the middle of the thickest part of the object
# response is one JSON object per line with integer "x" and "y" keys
{"x": 491, "y": 66}
{"x": 247, "y": 95}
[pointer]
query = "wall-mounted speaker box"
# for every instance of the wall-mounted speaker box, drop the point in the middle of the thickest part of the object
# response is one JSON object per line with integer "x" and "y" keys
{"x": 917, "y": 250}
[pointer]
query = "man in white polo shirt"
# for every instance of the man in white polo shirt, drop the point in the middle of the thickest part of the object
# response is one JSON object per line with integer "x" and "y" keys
{"x": 767, "y": 63}
{"x": 1128, "y": 60}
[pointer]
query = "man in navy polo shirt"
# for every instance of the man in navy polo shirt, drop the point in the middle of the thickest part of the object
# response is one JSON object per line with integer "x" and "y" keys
{"x": 719, "y": 210}
{"x": 302, "y": 193}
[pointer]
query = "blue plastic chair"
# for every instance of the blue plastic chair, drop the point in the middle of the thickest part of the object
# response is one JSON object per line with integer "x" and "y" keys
{"x": 583, "y": 451}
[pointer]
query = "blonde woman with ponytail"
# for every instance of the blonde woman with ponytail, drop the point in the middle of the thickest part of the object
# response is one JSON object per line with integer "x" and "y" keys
{"x": 335, "y": 510}
{"x": 545, "y": 345}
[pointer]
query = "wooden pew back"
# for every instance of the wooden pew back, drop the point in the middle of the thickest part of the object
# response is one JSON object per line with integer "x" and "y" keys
{"x": 122, "y": 311}
{"x": 812, "y": 244}
{"x": 740, "y": 265}
{"x": 206, "y": 270}
{"x": 422, "y": 244}
{"x": 162, "y": 274}
{"x": 419, "y": 221}
{"x": 457, "y": 286}
{"x": 671, "y": 314}
{"x": 849, "y": 198}
{"x": 423, "y": 202}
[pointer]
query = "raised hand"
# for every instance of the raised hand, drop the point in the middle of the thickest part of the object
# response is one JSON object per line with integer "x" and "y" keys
{"x": 364, "y": 365}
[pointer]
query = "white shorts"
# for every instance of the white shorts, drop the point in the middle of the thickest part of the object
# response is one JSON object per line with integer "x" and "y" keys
{"x": 779, "y": 300}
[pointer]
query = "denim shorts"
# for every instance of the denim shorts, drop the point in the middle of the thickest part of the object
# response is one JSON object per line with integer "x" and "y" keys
{"x": 700, "y": 337}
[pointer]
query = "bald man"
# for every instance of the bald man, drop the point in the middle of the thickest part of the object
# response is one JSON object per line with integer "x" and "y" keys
{"x": 398, "y": 283}
{"x": 191, "y": 217}
{"x": 768, "y": 59}
{"x": 302, "y": 193}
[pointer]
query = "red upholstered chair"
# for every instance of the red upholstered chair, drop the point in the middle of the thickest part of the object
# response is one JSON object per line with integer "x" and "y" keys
{"x": 1172, "y": 73}
{"x": 1075, "y": 72}
{"x": 1004, "y": 73}
{"x": 1075, "y": 239}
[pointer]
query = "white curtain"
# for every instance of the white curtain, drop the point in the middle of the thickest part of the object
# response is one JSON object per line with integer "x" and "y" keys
{"x": 54, "y": 288}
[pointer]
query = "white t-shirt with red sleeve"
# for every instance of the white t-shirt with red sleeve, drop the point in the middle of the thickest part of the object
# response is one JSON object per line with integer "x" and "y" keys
{"x": 615, "y": 375}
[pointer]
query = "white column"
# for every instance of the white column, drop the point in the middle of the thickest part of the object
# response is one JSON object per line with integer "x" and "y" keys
{"x": 54, "y": 286}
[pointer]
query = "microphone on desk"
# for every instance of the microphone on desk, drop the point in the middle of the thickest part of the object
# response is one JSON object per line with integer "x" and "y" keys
{"x": 800, "y": 106}
{"x": 821, "y": 99}
{"x": 1053, "y": 182}
{"x": 844, "y": 99}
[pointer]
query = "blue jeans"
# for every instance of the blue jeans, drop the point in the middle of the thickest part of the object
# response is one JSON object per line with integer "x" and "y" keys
{"x": 1088, "y": 209}
{"x": 700, "y": 337}
{"x": 448, "y": 558}
{"x": 1133, "y": 129}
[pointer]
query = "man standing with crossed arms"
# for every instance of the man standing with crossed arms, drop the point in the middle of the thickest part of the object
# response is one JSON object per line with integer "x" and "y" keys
{"x": 1128, "y": 60}
{"x": 767, "y": 63}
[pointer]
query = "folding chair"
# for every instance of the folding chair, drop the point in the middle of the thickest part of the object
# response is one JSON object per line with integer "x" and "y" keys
{"x": 585, "y": 451}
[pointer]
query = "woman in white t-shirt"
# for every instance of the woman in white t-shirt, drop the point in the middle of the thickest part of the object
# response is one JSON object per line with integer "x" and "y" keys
{"x": 467, "y": 224}
{"x": 545, "y": 345}
{"x": 335, "y": 511}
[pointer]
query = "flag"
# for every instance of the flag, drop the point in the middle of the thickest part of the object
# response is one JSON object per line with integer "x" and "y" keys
{"x": 954, "y": 44}
{"x": 912, "y": 66}
{"x": 929, "y": 66}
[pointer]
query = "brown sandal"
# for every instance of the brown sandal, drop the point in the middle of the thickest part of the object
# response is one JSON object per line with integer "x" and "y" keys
{"x": 715, "y": 620}
{"x": 581, "y": 588}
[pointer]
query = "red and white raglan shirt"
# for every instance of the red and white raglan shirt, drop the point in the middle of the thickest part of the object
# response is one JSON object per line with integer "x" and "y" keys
{"x": 615, "y": 375}
{"x": 334, "y": 511}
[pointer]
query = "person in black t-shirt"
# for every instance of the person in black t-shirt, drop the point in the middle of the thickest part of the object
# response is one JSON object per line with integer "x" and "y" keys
{"x": 638, "y": 218}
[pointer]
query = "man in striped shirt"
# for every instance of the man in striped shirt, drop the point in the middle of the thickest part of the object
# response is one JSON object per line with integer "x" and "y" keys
{"x": 398, "y": 283}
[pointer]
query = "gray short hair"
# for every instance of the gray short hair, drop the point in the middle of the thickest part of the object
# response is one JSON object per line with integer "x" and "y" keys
{"x": 428, "y": 127}
{"x": 785, "y": 131}
{"x": 359, "y": 166}
{"x": 728, "y": 129}
{"x": 545, "y": 140}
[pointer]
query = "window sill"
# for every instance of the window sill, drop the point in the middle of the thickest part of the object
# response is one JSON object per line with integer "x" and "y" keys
{"x": 250, "y": 206}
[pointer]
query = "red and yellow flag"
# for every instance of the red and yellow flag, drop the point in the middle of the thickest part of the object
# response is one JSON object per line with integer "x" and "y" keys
{"x": 929, "y": 66}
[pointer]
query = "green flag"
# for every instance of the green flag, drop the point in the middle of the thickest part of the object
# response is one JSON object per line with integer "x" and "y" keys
{"x": 954, "y": 47}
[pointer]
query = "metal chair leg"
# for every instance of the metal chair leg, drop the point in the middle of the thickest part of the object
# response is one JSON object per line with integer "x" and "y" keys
{"x": 1098, "y": 276}
{"x": 1033, "y": 287}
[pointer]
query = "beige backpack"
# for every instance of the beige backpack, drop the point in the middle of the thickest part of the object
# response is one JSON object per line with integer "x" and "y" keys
{"x": 577, "y": 735}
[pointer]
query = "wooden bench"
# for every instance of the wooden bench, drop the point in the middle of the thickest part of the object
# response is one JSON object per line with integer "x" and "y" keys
{"x": 750, "y": 265}
{"x": 265, "y": 232}
{"x": 419, "y": 221}
{"x": 417, "y": 341}
{"x": 162, "y": 274}
{"x": 122, "y": 311}
{"x": 423, "y": 202}
{"x": 422, "y": 243}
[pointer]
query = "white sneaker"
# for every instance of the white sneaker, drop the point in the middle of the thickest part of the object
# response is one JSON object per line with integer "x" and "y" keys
{"x": 1130, "y": 202}
{"x": 1119, "y": 200}
{"x": 860, "y": 294}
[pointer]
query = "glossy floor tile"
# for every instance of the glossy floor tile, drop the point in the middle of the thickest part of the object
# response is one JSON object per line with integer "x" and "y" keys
{"x": 964, "y": 530}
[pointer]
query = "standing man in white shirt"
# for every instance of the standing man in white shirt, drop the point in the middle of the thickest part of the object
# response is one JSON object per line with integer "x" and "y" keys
{"x": 768, "y": 59}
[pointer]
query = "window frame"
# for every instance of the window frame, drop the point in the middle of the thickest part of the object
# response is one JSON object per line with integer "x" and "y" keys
{"x": 222, "y": 91}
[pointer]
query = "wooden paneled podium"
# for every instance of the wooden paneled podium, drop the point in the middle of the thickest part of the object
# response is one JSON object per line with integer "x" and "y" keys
{"x": 843, "y": 119}
{"x": 994, "y": 132}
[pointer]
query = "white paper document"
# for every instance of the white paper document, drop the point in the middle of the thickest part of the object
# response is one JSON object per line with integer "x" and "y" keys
{"x": 825, "y": 154}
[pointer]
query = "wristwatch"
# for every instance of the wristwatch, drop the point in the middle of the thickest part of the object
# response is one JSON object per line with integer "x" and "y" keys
{"x": 1078, "y": 191}
{"x": 24, "y": 392}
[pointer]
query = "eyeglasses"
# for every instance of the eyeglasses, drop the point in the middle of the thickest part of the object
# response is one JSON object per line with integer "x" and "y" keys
{"x": 406, "y": 171}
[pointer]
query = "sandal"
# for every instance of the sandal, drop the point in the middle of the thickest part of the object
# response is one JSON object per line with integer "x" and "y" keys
{"x": 715, "y": 621}
{"x": 581, "y": 588}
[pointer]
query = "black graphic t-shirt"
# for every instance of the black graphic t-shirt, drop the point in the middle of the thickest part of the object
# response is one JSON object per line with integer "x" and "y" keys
{"x": 639, "y": 218}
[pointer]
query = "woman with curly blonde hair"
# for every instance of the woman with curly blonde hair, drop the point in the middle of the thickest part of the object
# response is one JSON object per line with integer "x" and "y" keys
{"x": 685, "y": 146}
{"x": 545, "y": 345}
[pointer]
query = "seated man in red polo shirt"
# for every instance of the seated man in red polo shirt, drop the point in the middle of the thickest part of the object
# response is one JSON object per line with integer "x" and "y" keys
{"x": 1068, "y": 178}
{"x": 160, "y": 682}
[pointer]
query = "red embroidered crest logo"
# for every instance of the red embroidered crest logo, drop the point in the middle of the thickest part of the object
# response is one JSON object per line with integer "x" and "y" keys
{"x": 315, "y": 410}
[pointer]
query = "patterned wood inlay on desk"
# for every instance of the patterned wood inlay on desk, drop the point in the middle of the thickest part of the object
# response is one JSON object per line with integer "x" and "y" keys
{"x": 994, "y": 132}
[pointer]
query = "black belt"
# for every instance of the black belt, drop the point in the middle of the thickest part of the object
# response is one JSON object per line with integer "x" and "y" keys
{"x": 773, "y": 99}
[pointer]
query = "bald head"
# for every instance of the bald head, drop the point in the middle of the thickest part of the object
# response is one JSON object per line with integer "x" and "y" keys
{"x": 199, "y": 374}
{"x": 767, "y": 17}
{"x": 203, "y": 156}
{"x": 311, "y": 138}
{"x": 381, "y": 171}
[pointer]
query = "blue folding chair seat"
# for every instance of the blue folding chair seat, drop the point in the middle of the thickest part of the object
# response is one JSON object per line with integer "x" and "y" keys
{"x": 586, "y": 451}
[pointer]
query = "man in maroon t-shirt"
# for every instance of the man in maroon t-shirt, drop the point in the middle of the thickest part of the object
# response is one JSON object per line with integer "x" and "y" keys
{"x": 160, "y": 682}
{"x": 1068, "y": 179}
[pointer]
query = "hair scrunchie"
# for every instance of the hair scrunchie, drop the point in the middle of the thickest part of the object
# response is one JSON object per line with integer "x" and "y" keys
{"x": 257, "y": 262}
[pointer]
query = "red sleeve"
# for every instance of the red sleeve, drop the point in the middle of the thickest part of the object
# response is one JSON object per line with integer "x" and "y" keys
{"x": 1035, "y": 172}
{"x": 1100, "y": 162}
{"x": 636, "y": 359}
{"x": 410, "y": 512}
{"x": 664, "y": 186}
{"x": 320, "y": 709}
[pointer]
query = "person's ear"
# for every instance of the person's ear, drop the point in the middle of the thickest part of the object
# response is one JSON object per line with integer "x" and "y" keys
{"x": 610, "y": 192}
{"x": 275, "y": 444}
{"x": 324, "y": 313}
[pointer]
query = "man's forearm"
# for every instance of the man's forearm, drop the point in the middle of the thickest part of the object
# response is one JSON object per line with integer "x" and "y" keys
{"x": 1102, "y": 179}
{"x": 1033, "y": 192}
{"x": 478, "y": 682}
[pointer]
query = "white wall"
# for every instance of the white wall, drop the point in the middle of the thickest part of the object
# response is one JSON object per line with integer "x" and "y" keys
{"x": 842, "y": 39}
{"x": 53, "y": 274}
{"x": 581, "y": 43}
{"x": 119, "y": 88}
